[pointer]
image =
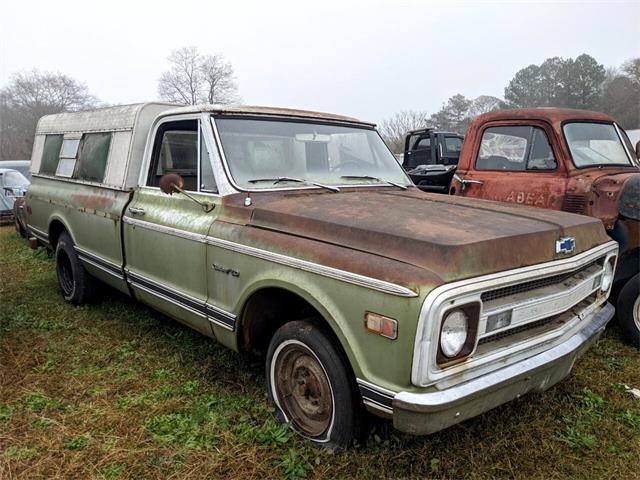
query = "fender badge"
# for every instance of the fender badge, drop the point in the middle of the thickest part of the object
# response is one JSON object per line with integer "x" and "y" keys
{"x": 221, "y": 269}
{"x": 565, "y": 245}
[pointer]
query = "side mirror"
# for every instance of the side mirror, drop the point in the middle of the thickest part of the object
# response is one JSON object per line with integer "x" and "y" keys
{"x": 171, "y": 183}
{"x": 638, "y": 149}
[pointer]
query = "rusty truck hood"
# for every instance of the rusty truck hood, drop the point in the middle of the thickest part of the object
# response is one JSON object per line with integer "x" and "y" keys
{"x": 451, "y": 237}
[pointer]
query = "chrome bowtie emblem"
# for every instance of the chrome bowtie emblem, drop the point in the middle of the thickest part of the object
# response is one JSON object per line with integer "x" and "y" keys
{"x": 565, "y": 245}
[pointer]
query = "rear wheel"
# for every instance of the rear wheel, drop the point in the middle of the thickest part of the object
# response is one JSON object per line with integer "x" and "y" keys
{"x": 21, "y": 231}
{"x": 76, "y": 285}
{"x": 628, "y": 310}
{"x": 311, "y": 387}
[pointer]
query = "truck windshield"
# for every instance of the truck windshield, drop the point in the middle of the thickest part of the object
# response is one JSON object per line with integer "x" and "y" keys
{"x": 595, "y": 144}
{"x": 265, "y": 154}
{"x": 14, "y": 179}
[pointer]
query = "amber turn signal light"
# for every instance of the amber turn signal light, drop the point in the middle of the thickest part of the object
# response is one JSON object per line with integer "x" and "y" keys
{"x": 383, "y": 326}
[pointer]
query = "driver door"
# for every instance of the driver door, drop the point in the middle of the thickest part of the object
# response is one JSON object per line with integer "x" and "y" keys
{"x": 166, "y": 257}
{"x": 516, "y": 164}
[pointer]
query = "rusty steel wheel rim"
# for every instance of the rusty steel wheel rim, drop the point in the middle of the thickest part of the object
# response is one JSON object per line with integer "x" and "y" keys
{"x": 303, "y": 390}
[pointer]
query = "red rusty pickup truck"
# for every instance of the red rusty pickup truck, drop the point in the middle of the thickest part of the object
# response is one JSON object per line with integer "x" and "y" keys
{"x": 572, "y": 160}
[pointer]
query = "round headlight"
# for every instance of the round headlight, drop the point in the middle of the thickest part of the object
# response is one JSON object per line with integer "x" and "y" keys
{"x": 607, "y": 276}
{"x": 454, "y": 333}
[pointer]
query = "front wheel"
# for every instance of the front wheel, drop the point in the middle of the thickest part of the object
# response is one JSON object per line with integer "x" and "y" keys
{"x": 311, "y": 387}
{"x": 628, "y": 310}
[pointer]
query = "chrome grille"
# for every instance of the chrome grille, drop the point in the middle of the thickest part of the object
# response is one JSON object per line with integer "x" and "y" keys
{"x": 516, "y": 330}
{"x": 534, "y": 284}
{"x": 537, "y": 327}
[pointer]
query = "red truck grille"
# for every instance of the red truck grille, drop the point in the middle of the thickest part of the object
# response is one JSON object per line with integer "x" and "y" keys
{"x": 574, "y": 203}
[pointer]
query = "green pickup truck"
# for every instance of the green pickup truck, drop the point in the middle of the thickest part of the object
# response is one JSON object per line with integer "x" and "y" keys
{"x": 297, "y": 235}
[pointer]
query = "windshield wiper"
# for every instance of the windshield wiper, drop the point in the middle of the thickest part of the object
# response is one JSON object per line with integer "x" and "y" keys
{"x": 277, "y": 180}
{"x": 369, "y": 177}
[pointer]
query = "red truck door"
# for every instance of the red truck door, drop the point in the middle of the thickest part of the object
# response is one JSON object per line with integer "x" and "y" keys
{"x": 513, "y": 163}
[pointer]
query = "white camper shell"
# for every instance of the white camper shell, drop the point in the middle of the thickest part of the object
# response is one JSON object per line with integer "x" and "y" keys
{"x": 126, "y": 128}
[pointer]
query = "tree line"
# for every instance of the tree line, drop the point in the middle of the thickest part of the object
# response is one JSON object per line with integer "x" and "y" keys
{"x": 193, "y": 78}
{"x": 580, "y": 83}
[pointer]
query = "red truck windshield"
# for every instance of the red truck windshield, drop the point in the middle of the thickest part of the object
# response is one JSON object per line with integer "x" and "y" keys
{"x": 595, "y": 144}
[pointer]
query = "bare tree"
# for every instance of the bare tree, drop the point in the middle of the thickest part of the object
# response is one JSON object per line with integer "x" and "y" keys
{"x": 29, "y": 96}
{"x": 484, "y": 104}
{"x": 219, "y": 80}
{"x": 394, "y": 129}
{"x": 193, "y": 78}
{"x": 182, "y": 82}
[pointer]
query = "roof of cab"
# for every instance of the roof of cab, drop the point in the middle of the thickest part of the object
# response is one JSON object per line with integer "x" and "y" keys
{"x": 545, "y": 114}
{"x": 262, "y": 110}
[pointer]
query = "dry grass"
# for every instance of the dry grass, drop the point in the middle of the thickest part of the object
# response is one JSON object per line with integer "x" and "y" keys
{"x": 114, "y": 390}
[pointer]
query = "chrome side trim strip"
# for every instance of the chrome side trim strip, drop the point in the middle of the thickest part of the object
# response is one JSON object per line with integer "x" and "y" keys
{"x": 99, "y": 262}
{"x": 375, "y": 396}
{"x": 311, "y": 267}
{"x": 176, "y": 232}
{"x": 316, "y": 268}
{"x": 97, "y": 265}
{"x": 214, "y": 314}
{"x": 42, "y": 235}
{"x": 164, "y": 297}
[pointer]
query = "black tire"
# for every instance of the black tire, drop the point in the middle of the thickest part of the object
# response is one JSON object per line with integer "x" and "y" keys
{"x": 19, "y": 228}
{"x": 628, "y": 310}
{"x": 76, "y": 285}
{"x": 301, "y": 362}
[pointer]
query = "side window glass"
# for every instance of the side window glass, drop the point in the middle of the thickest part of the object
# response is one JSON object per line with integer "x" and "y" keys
{"x": 92, "y": 159}
{"x": 503, "y": 148}
{"x": 453, "y": 145}
{"x": 541, "y": 155}
{"x": 68, "y": 154}
{"x": 207, "y": 180}
{"x": 50, "y": 154}
{"x": 176, "y": 151}
{"x": 423, "y": 143}
{"x": 515, "y": 148}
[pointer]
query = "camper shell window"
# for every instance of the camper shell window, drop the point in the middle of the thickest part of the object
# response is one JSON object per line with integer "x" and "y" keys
{"x": 92, "y": 159}
{"x": 50, "y": 154}
{"x": 67, "y": 162}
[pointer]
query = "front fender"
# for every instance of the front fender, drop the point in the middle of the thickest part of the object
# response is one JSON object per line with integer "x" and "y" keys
{"x": 343, "y": 305}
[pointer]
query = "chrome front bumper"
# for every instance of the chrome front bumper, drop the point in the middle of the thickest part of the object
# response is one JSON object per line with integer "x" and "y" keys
{"x": 424, "y": 413}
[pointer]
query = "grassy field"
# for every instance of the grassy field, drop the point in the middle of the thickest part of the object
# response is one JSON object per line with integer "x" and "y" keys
{"x": 115, "y": 390}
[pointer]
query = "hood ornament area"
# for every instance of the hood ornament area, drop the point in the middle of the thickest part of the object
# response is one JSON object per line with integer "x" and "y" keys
{"x": 565, "y": 245}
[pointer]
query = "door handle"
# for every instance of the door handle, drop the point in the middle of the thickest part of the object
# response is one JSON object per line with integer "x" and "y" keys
{"x": 464, "y": 182}
{"x": 136, "y": 211}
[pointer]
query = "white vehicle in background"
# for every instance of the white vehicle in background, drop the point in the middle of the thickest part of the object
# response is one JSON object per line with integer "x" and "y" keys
{"x": 23, "y": 166}
{"x": 13, "y": 185}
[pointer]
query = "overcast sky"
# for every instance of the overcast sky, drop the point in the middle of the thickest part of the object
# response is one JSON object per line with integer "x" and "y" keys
{"x": 368, "y": 59}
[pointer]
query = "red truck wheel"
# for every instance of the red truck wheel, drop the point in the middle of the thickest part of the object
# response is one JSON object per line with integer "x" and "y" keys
{"x": 628, "y": 310}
